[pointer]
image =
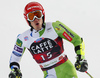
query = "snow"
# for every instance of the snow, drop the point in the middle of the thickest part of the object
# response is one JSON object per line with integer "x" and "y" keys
{"x": 82, "y": 16}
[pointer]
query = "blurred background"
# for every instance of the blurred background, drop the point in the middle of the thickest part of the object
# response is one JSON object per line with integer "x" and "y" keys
{"x": 82, "y": 16}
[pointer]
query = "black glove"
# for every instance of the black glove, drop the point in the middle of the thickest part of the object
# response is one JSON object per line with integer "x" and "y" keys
{"x": 15, "y": 73}
{"x": 81, "y": 65}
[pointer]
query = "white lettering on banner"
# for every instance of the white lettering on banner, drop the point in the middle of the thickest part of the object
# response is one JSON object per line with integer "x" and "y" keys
{"x": 44, "y": 46}
{"x": 50, "y": 44}
{"x": 41, "y": 45}
{"x": 32, "y": 48}
{"x": 49, "y": 55}
{"x": 37, "y": 47}
{"x": 67, "y": 36}
{"x": 42, "y": 57}
{"x": 34, "y": 7}
{"x": 39, "y": 51}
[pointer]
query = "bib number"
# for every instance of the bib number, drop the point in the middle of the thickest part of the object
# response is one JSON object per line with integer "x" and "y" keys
{"x": 49, "y": 55}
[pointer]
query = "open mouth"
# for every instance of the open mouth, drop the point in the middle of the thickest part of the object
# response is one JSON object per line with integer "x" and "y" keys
{"x": 37, "y": 23}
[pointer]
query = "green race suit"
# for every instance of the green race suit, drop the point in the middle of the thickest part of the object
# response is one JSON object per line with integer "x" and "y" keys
{"x": 46, "y": 47}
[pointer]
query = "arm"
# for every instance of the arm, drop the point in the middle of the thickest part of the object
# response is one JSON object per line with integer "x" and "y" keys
{"x": 66, "y": 33}
{"x": 15, "y": 58}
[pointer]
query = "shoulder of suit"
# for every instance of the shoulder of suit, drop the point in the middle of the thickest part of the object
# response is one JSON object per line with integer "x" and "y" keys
{"x": 25, "y": 33}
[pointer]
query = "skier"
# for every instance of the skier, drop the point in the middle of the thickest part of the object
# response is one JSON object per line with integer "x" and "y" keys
{"x": 44, "y": 40}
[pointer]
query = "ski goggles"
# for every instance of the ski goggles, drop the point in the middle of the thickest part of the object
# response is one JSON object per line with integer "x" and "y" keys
{"x": 34, "y": 14}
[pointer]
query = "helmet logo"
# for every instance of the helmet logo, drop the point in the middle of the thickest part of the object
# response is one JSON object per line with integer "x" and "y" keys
{"x": 34, "y": 7}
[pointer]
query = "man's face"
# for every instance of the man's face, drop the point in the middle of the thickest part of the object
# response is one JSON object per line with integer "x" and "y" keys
{"x": 37, "y": 24}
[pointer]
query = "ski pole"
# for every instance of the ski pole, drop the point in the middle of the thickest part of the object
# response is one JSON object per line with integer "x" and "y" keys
{"x": 88, "y": 74}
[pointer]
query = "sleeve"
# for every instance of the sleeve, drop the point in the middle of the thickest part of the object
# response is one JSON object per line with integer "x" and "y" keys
{"x": 17, "y": 53}
{"x": 66, "y": 33}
